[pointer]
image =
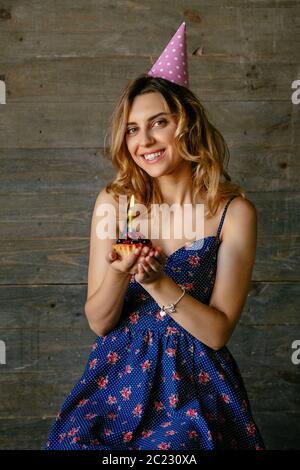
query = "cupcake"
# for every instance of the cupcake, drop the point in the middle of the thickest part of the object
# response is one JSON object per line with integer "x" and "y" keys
{"x": 125, "y": 246}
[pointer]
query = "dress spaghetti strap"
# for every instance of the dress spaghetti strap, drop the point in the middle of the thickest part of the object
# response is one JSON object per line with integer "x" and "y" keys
{"x": 223, "y": 217}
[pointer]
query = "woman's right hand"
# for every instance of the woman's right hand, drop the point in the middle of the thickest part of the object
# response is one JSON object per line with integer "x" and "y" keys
{"x": 128, "y": 265}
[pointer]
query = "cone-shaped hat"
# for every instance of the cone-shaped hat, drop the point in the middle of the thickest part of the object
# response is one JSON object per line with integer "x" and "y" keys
{"x": 172, "y": 64}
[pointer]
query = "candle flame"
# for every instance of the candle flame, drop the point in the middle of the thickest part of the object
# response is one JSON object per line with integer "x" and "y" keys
{"x": 129, "y": 226}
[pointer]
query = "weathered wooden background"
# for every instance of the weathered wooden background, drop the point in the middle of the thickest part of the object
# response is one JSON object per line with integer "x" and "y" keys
{"x": 65, "y": 64}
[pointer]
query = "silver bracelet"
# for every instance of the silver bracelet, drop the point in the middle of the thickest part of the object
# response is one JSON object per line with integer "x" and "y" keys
{"x": 164, "y": 309}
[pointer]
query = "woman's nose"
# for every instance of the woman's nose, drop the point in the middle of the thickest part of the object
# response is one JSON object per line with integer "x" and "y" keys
{"x": 146, "y": 137}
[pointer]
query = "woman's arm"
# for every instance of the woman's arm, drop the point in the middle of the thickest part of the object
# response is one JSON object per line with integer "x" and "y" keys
{"x": 213, "y": 324}
{"x": 106, "y": 286}
{"x": 103, "y": 309}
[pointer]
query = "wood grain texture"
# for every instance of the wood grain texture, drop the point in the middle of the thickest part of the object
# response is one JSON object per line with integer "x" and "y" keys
{"x": 64, "y": 65}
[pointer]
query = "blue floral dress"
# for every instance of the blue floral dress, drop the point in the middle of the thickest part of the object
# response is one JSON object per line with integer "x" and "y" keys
{"x": 149, "y": 384}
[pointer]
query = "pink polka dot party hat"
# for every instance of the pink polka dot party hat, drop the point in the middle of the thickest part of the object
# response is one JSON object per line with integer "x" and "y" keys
{"x": 172, "y": 64}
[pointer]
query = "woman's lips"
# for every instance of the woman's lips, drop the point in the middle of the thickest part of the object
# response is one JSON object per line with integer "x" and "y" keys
{"x": 156, "y": 159}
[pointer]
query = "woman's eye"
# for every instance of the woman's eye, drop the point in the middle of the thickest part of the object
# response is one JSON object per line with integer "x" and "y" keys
{"x": 133, "y": 128}
{"x": 162, "y": 120}
{"x": 128, "y": 130}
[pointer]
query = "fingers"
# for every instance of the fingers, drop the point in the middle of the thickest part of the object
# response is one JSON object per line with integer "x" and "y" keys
{"x": 151, "y": 263}
{"x": 111, "y": 256}
{"x": 131, "y": 259}
{"x": 160, "y": 256}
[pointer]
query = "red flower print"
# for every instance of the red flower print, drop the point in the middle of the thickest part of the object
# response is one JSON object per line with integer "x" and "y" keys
{"x": 73, "y": 431}
{"x": 146, "y": 365}
{"x": 158, "y": 316}
{"x": 171, "y": 330}
{"x": 102, "y": 382}
{"x": 111, "y": 400}
{"x": 193, "y": 434}
{"x": 173, "y": 400}
{"x": 113, "y": 357}
{"x": 75, "y": 439}
{"x": 170, "y": 432}
{"x": 225, "y": 398}
{"x": 128, "y": 369}
{"x": 94, "y": 346}
{"x": 176, "y": 376}
{"x": 191, "y": 378}
{"x": 126, "y": 392}
{"x": 192, "y": 413}
{"x": 171, "y": 352}
{"x": 90, "y": 416}
{"x": 251, "y": 429}
{"x": 244, "y": 405}
{"x": 189, "y": 286}
{"x": 209, "y": 435}
{"x": 82, "y": 402}
{"x": 194, "y": 260}
{"x": 166, "y": 424}
{"x": 221, "y": 376}
{"x": 111, "y": 416}
{"x": 204, "y": 377}
{"x": 163, "y": 446}
{"x": 158, "y": 405}
{"x": 148, "y": 338}
{"x": 146, "y": 434}
{"x": 137, "y": 410}
{"x": 142, "y": 296}
{"x": 62, "y": 436}
{"x": 95, "y": 442}
{"x": 127, "y": 436}
{"x": 93, "y": 363}
{"x": 107, "y": 432}
{"x": 134, "y": 318}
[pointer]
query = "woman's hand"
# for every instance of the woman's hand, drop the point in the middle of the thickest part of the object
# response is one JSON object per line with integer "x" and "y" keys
{"x": 150, "y": 266}
{"x": 128, "y": 265}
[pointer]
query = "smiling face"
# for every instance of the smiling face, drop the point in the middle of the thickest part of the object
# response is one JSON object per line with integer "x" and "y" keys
{"x": 151, "y": 130}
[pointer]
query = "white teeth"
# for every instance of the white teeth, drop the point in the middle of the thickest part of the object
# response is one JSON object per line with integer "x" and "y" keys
{"x": 152, "y": 156}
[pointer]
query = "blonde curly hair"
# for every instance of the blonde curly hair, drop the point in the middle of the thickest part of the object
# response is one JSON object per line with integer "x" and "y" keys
{"x": 197, "y": 140}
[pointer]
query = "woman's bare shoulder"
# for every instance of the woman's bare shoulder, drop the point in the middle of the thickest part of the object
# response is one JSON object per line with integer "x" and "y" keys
{"x": 241, "y": 213}
{"x": 241, "y": 206}
{"x": 105, "y": 197}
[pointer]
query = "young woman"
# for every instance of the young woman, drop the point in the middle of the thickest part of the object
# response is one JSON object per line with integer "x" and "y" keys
{"x": 160, "y": 377}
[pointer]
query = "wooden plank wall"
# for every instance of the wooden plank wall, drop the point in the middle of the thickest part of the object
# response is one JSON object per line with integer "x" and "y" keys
{"x": 65, "y": 64}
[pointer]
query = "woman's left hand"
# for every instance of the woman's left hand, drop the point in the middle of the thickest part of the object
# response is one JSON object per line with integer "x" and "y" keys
{"x": 150, "y": 267}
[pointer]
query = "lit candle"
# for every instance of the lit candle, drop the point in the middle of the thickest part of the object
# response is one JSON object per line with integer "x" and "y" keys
{"x": 129, "y": 227}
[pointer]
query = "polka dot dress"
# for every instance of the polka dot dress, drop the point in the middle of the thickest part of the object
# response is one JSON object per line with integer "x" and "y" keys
{"x": 149, "y": 384}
